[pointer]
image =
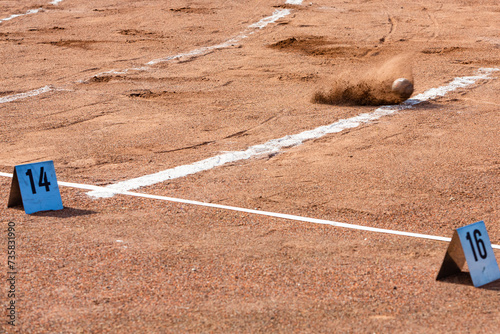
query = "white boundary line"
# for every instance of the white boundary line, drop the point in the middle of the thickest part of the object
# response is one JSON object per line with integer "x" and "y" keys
{"x": 29, "y": 12}
{"x": 31, "y": 93}
{"x": 13, "y": 16}
{"x": 276, "y": 145}
{"x": 280, "y": 13}
{"x": 258, "y": 212}
{"x": 34, "y": 92}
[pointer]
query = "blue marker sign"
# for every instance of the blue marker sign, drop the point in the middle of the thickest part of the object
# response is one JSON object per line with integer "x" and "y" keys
{"x": 478, "y": 253}
{"x": 471, "y": 244}
{"x": 35, "y": 187}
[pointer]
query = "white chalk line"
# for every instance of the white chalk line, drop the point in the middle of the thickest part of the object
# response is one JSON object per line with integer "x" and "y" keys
{"x": 31, "y": 93}
{"x": 29, "y": 12}
{"x": 278, "y": 14}
{"x": 34, "y": 92}
{"x": 251, "y": 29}
{"x": 276, "y": 145}
{"x": 257, "y": 212}
{"x": 13, "y": 16}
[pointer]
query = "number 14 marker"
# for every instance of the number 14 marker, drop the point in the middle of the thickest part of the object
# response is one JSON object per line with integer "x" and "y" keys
{"x": 35, "y": 187}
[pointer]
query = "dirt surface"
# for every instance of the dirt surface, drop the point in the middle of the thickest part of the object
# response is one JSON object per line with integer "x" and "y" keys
{"x": 131, "y": 88}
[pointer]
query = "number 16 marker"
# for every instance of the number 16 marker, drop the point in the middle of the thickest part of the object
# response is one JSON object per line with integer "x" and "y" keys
{"x": 472, "y": 244}
{"x": 35, "y": 187}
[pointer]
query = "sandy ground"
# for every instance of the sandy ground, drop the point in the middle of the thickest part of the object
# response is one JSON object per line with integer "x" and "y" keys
{"x": 116, "y": 108}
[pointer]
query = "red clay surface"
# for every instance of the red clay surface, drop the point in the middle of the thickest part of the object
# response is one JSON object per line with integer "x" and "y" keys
{"x": 126, "y": 264}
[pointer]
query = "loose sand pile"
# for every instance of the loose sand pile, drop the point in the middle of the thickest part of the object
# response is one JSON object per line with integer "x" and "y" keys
{"x": 368, "y": 87}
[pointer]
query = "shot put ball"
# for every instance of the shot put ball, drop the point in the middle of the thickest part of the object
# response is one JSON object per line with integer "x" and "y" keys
{"x": 403, "y": 87}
